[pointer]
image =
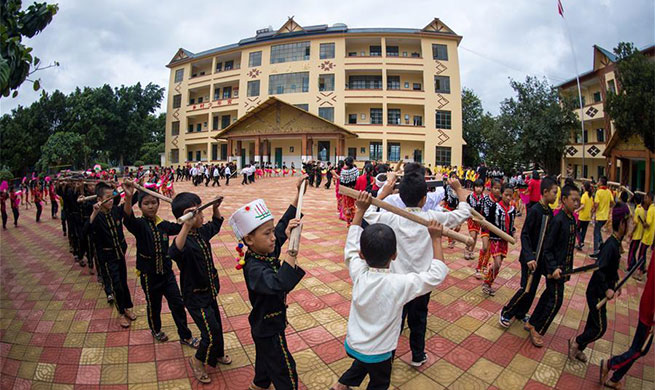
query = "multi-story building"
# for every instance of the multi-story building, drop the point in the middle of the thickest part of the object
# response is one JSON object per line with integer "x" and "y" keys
{"x": 385, "y": 94}
{"x": 602, "y": 157}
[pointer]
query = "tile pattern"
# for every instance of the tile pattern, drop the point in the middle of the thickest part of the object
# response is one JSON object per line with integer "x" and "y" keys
{"x": 57, "y": 331}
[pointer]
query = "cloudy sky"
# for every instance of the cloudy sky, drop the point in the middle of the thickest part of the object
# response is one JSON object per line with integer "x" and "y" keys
{"x": 124, "y": 42}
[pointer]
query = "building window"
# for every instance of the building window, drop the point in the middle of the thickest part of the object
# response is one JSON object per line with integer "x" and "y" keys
{"x": 255, "y": 59}
{"x": 392, "y": 51}
{"x": 376, "y": 116}
{"x": 441, "y": 84}
{"x": 416, "y": 86}
{"x": 418, "y": 120}
{"x": 364, "y": 82}
{"x": 288, "y": 83}
{"x": 352, "y": 152}
{"x": 225, "y": 121}
{"x": 442, "y": 155}
{"x": 253, "y": 88}
{"x": 352, "y": 119}
{"x": 214, "y": 153}
{"x": 601, "y": 171}
{"x": 227, "y": 92}
{"x": 611, "y": 86}
{"x": 600, "y": 135}
{"x": 217, "y": 93}
{"x": 597, "y": 97}
{"x": 179, "y": 75}
{"x": 375, "y": 51}
{"x": 190, "y": 128}
{"x": 393, "y": 82}
{"x": 375, "y": 151}
{"x": 177, "y": 101}
{"x": 302, "y": 106}
{"x": 215, "y": 123}
{"x": 440, "y": 52}
{"x": 219, "y": 67}
{"x": 192, "y": 101}
{"x": 190, "y": 156}
{"x": 297, "y": 51}
{"x": 326, "y": 82}
{"x": 224, "y": 151}
{"x": 175, "y": 128}
{"x": 229, "y": 65}
{"x": 443, "y": 120}
{"x": 393, "y": 116}
{"x": 326, "y": 113}
{"x": 326, "y": 50}
{"x": 198, "y": 127}
{"x": 585, "y": 171}
{"x": 393, "y": 151}
{"x": 175, "y": 156}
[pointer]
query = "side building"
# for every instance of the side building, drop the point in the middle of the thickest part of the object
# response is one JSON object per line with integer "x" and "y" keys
{"x": 385, "y": 94}
{"x": 605, "y": 154}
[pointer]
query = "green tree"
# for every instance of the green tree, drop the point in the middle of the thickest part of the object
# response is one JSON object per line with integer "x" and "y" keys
{"x": 155, "y": 127}
{"x": 633, "y": 108}
{"x": 63, "y": 147}
{"x": 472, "y": 114}
{"x": 16, "y": 59}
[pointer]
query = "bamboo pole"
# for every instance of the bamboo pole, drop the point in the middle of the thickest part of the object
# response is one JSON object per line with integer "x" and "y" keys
{"x": 294, "y": 238}
{"x": 152, "y": 193}
{"x": 491, "y": 227}
{"x": 193, "y": 213}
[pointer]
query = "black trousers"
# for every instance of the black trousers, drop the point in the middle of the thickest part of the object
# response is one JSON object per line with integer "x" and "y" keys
{"x": 380, "y": 374}
{"x": 74, "y": 222}
{"x": 39, "y": 210}
{"x": 311, "y": 180}
{"x": 207, "y": 179}
{"x": 518, "y": 306}
{"x": 14, "y": 210}
{"x": 117, "y": 274}
{"x": 103, "y": 277}
{"x": 227, "y": 180}
{"x": 4, "y": 219}
{"x": 328, "y": 181}
{"x": 208, "y": 320}
{"x": 582, "y": 231}
{"x": 274, "y": 363}
{"x": 216, "y": 181}
{"x": 319, "y": 178}
{"x": 416, "y": 313}
{"x": 621, "y": 364}
{"x": 157, "y": 286}
{"x": 548, "y": 306}
{"x": 90, "y": 250}
{"x": 54, "y": 207}
{"x": 63, "y": 221}
{"x": 245, "y": 179}
{"x": 643, "y": 248}
{"x": 596, "y": 323}
{"x": 251, "y": 178}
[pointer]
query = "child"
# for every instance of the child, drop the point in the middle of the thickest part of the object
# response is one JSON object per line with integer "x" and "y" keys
{"x": 603, "y": 203}
{"x": 488, "y": 209}
{"x": 106, "y": 223}
{"x": 474, "y": 199}
{"x": 518, "y": 306}
{"x": 14, "y": 202}
{"x": 268, "y": 281}
{"x": 584, "y": 214}
{"x": 374, "y": 323}
{"x": 450, "y": 203}
{"x": 503, "y": 219}
{"x": 154, "y": 265}
{"x": 199, "y": 279}
{"x": 637, "y": 230}
{"x": 558, "y": 257}
{"x": 414, "y": 248}
{"x": 38, "y": 198}
{"x": 602, "y": 285}
{"x": 649, "y": 233}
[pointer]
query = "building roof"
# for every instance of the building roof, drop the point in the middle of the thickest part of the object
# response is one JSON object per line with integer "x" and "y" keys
{"x": 291, "y": 29}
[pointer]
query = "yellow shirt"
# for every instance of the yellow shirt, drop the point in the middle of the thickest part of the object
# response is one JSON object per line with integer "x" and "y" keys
{"x": 555, "y": 204}
{"x": 649, "y": 233}
{"x": 587, "y": 204}
{"x": 603, "y": 198}
{"x": 640, "y": 215}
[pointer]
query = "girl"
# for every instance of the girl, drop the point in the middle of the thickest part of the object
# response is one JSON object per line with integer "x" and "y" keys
{"x": 474, "y": 199}
{"x": 348, "y": 178}
{"x": 488, "y": 211}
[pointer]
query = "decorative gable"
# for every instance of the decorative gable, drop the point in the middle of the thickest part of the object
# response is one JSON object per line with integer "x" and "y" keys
{"x": 290, "y": 26}
{"x": 438, "y": 26}
{"x": 181, "y": 55}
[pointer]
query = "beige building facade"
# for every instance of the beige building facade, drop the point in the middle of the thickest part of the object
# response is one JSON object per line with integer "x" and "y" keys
{"x": 397, "y": 90}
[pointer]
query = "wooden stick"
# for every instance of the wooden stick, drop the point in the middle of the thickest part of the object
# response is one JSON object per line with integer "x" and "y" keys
{"x": 111, "y": 199}
{"x": 193, "y": 213}
{"x": 294, "y": 239}
{"x": 491, "y": 227}
{"x": 540, "y": 244}
{"x": 83, "y": 199}
{"x": 468, "y": 240}
{"x": 153, "y": 193}
{"x": 399, "y": 165}
{"x": 648, "y": 339}
{"x": 622, "y": 282}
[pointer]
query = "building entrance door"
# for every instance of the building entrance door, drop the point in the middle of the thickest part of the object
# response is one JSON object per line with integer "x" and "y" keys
{"x": 324, "y": 150}
{"x": 278, "y": 157}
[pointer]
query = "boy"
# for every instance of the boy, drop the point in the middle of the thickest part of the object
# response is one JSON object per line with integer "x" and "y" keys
{"x": 503, "y": 219}
{"x": 533, "y": 228}
{"x": 603, "y": 202}
{"x": 602, "y": 285}
{"x": 584, "y": 214}
{"x": 488, "y": 210}
{"x": 154, "y": 265}
{"x": 106, "y": 223}
{"x": 558, "y": 257}
{"x": 192, "y": 253}
{"x": 450, "y": 203}
{"x": 414, "y": 248}
{"x": 637, "y": 230}
{"x": 474, "y": 199}
{"x": 649, "y": 233}
{"x": 268, "y": 281}
{"x": 374, "y": 323}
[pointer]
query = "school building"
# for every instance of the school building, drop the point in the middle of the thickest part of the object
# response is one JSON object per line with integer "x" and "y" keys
{"x": 320, "y": 92}
{"x": 605, "y": 153}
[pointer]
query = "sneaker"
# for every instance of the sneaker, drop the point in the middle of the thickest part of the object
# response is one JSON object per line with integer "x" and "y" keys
{"x": 478, "y": 274}
{"x": 504, "y": 322}
{"x": 414, "y": 363}
{"x": 526, "y": 319}
{"x": 110, "y": 299}
{"x": 594, "y": 255}
{"x": 488, "y": 290}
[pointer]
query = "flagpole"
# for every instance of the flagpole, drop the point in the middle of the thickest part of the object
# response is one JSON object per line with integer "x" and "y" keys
{"x": 577, "y": 78}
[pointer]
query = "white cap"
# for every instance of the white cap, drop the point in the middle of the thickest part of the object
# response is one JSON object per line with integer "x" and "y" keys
{"x": 249, "y": 217}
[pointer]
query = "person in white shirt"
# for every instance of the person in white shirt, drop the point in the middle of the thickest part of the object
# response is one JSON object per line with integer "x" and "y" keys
{"x": 414, "y": 247}
{"x": 228, "y": 173}
{"x": 432, "y": 201}
{"x": 216, "y": 174}
{"x": 378, "y": 296}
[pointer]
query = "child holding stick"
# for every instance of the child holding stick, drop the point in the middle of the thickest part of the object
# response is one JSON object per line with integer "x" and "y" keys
{"x": 503, "y": 218}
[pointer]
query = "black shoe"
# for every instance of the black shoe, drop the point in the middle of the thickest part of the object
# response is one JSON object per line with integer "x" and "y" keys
{"x": 110, "y": 299}
{"x": 594, "y": 255}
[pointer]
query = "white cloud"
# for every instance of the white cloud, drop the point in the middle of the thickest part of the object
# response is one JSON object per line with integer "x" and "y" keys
{"x": 100, "y": 42}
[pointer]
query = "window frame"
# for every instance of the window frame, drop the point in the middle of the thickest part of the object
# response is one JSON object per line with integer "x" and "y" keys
{"x": 177, "y": 101}
{"x": 253, "y": 56}
{"x": 442, "y": 84}
{"x": 446, "y": 122}
{"x": 391, "y": 152}
{"x": 326, "y": 76}
{"x": 374, "y": 116}
{"x": 274, "y": 87}
{"x": 326, "y": 109}
{"x": 323, "y": 51}
{"x": 442, "y": 151}
{"x": 250, "y": 87}
{"x": 439, "y": 55}
{"x": 180, "y": 73}
{"x": 390, "y": 121}
{"x": 375, "y": 152}
{"x": 292, "y": 52}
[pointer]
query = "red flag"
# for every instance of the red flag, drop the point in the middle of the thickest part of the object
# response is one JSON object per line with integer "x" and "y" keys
{"x": 560, "y": 9}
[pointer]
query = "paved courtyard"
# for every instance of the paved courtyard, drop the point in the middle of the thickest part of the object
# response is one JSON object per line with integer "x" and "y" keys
{"x": 57, "y": 330}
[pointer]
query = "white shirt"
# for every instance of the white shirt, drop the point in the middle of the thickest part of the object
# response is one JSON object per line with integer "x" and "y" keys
{"x": 378, "y": 297}
{"x": 216, "y": 173}
{"x": 227, "y": 171}
{"x": 432, "y": 200}
{"x": 414, "y": 245}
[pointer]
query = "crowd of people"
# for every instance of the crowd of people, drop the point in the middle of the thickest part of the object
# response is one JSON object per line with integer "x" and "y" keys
{"x": 387, "y": 254}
